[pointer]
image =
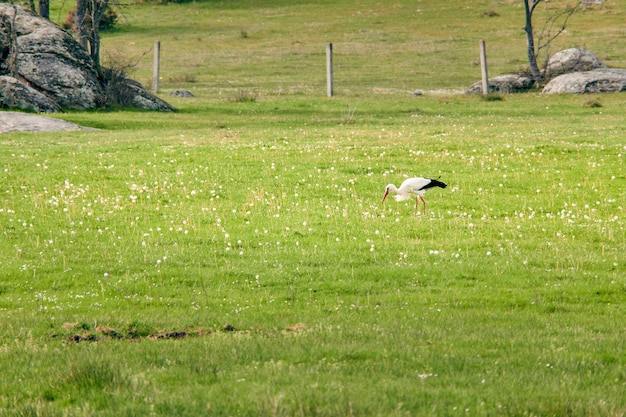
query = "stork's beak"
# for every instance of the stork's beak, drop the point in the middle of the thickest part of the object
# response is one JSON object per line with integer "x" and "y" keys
{"x": 385, "y": 196}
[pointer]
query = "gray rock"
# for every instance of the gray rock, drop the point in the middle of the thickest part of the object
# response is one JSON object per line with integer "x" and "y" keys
{"x": 601, "y": 80}
{"x": 507, "y": 83}
{"x": 121, "y": 91}
{"x": 141, "y": 98}
{"x": 573, "y": 70}
{"x": 591, "y": 3}
{"x": 24, "y": 122}
{"x": 572, "y": 60}
{"x": 17, "y": 95}
{"x": 181, "y": 93}
{"x": 50, "y": 63}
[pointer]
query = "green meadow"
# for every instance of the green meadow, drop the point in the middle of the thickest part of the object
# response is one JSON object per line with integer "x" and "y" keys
{"x": 234, "y": 258}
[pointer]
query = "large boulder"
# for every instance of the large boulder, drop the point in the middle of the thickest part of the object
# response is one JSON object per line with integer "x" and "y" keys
{"x": 573, "y": 70}
{"x": 601, "y": 80}
{"x": 505, "y": 84}
{"x": 142, "y": 99}
{"x": 572, "y": 60}
{"x": 41, "y": 59}
{"x": 50, "y": 60}
{"x": 17, "y": 95}
{"x": 123, "y": 91}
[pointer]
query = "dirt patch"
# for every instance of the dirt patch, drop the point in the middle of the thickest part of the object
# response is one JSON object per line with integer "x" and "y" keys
{"x": 111, "y": 334}
{"x": 83, "y": 332}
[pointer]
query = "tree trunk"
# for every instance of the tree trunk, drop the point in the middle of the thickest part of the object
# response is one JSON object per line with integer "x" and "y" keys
{"x": 44, "y": 9}
{"x": 97, "y": 10}
{"x": 11, "y": 61}
{"x": 31, "y": 3}
{"x": 94, "y": 48}
{"x": 79, "y": 23}
{"x": 529, "y": 7}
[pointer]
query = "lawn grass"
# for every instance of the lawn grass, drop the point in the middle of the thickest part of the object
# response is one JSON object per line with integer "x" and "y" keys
{"x": 246, "y": 265}
{"x": 234, "y": 258}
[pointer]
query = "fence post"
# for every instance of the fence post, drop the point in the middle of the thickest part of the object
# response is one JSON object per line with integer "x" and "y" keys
{"x": 483, "y": 67}
{"x": 329, "y": 70}
{"x": 156, "y": 66}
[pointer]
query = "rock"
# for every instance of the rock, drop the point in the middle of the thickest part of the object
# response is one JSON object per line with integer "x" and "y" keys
{"x": 50, "y": 63}
{"x": 601, "y": 80}
{"x": 572, "y": 60}
{"x": 583, "y": 72}
{"x": 507, "y": 83}
{"x": 181, "y": 93}
{"x": 17, "y": 95}
{"x": 585, "y": 4}
{"x": 24, "y": 122}
{"x": 229, "y": 328}
{"x": 126, "y": 92}
{"x": 143, "y": 99}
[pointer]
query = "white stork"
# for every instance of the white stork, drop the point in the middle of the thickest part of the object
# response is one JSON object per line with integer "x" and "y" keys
{"x": 413, "y": 187}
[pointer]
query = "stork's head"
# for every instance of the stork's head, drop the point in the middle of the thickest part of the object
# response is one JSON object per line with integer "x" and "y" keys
{"x": 389, "y": 187}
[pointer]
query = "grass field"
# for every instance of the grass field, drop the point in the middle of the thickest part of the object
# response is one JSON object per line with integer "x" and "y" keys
{"x": 234, "y": 258}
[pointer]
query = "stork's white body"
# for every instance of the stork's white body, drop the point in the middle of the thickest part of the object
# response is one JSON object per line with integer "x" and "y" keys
{"x": 413, "y": 187}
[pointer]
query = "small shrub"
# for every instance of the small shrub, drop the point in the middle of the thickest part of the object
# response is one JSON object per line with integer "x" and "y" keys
{"x": 137, "y": 329}
{"x": 347, "y": 117}
{"x": 107, "y": 22}
{"x": 244, "y": 95}
{"x": 592, "y": 103}
{"x": 68, "y": 23}
{"x": 84, "y": 326}
{"x": 116, "y": 91}
{"x": 114, "y": 72}
{"x": 524, "y": 72}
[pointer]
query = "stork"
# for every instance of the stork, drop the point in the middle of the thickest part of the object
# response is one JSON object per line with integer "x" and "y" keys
{"x": 413, "y": 187}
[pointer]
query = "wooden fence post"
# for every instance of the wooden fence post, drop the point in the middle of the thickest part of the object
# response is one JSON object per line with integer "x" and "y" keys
{"x": 483, "y": 67}
{"x": 156, "y": 66}
{"x": 329, "y": 70}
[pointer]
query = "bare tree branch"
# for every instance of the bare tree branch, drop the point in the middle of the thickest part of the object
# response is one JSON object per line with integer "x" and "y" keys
{"x": 548, "y": 33}
{"x": 534, "y": 4}
{"x": 529, "y": 7}
{"x": 545, "y": 37}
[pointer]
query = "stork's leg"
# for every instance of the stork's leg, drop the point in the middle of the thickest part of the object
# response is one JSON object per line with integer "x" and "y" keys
{"x": 423, "y": 201}
{"x": 416, "y": 206}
